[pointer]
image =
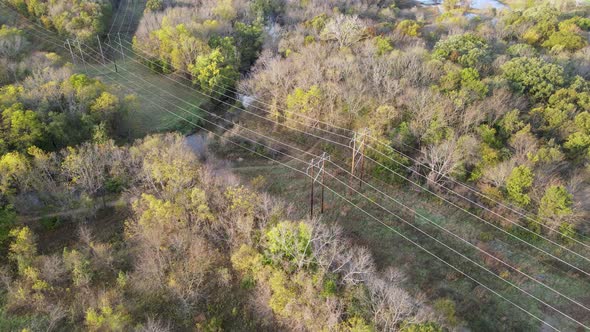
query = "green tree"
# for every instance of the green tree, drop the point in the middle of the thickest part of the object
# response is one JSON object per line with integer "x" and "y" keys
{"x": 23, "y": 126}
{"x": 266, "y": 8}
{"x": 578, "y": 143}
{"x": 567, "y": 40}
{"x": 518, "y": 183}
{"x": 213, "y": 74}
{"x": 289, "y": 244}
{"x": 249, "y": 41}
{"x": 567, "y": 232}
{"x": 556, "y": 203}
{"x": 154, "y": 5}
{"x": 561, "y": 108}
{"x": 534, "y": 76}
{"x": 104, "y": 108}
{"x": 107, "y": 317}
{"x": 467, "y": 50}
{"x": 23, "y": 248}
{"x": 304, "y": 102}
{"x": 14, "y": 168}
{"x": 7, "y": 220}
{"x": 421, "y": 327}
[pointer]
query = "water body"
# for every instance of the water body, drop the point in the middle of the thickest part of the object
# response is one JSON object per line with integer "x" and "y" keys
{"x": 475, "y": 4}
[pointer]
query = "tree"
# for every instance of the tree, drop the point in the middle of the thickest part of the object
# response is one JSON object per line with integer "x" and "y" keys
{"x": 307, "y": 103}
{"x": 23, "y": 248}
{"x": 105, "y": 107}
{"x": 88, "y": 166}
{"x": 519, "y": 181}
{"x": 387, "y": 302}
{"x": 12, "y": 42}
{"x": 7, "y": 220}
{"x": 568, "y": 40}
{"x": 14, "y": 169}
{"x": 154, "y": 5}
{"x": 442, "y": 160}
{"x": 555, "y": 204}
{"x": 345, "y": 30}
{"x": 289, "y": 245}
{"x": 249, "y": 41}
{"x": 467, "y": 50}
{"x": 534, "y": 76}
{"x": 578, "y": 143}
{"x": 213, "y": 74}
{"x": 24, "y": 127}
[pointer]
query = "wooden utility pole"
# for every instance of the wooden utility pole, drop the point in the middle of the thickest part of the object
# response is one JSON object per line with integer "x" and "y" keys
{"x": 100, "y": 48}
{"x": 71, "y": 52}
{"x": 121, "y": 46}
{"x": 82, "y": 54}
{"x": 323, "y": 178}
{"x": 357, "y": 145}
{"x": 311, "y": 195}
{"x": 114, "y": 55}
{"x": 320, "y": 164}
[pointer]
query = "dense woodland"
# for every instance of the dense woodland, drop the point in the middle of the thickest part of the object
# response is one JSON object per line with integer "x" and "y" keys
{"x": 197, "y": 251}
{"x": 71, "y": 18}
{"x": 497, "y": 99}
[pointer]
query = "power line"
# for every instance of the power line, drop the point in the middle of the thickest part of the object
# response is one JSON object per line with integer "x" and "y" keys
{"x": 176, "y": 105}
{"x": 420, "y": 186}
{"x": 115, "y": 18}
{"x": 426, "y": 218}
{"x": 410, "y": 158}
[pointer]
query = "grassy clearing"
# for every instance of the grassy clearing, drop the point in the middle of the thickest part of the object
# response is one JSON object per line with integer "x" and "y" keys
{"x": 134, "y": 78}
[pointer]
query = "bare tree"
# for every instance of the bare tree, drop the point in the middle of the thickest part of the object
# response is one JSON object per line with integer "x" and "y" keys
{"x": 345, "y": 30}
{"x": 389, "y": 304}
{"x": 441, "y": 159}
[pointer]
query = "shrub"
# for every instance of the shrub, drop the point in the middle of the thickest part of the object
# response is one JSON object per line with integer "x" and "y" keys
{"x": 383, "y": 45}
{"x": 446, "y": 307}
{"x": 567, "y": 232}
{"x": 409, "y": 28}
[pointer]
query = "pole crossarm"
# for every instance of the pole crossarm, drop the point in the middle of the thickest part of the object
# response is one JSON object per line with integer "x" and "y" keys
{"x": 317, "y": 163}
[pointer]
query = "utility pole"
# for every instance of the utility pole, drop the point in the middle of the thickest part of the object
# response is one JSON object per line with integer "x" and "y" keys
{"x": 121, "y": 46}
{"x": 71, "y": 52}
{"x": 357, "y": 145}
{"x": 100, "y": 48}
{"x": 320, "y": 165}
{"x": 114, "y": 57}
{"x": 81, "y": 54}
{"x": 311, "y": 194}
{"x": 323, "y": 178}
